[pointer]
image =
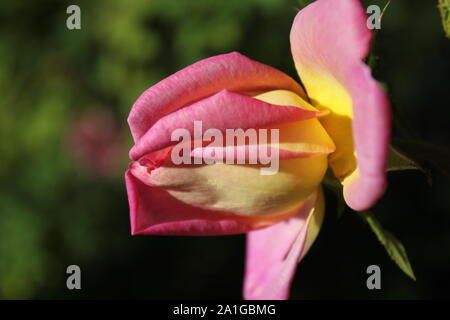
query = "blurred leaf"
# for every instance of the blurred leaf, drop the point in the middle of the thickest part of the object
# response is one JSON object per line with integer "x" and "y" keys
{"x": 384, "y": 85}
{"x": 399, "y": 161}
{"x": 425, "y": 152}
{"x": 372, "y": 58}
{"x": 393, "y": 246}
{"x": 444, "y": 8}
{"x": 23, "y": 262}
{"x": 304, "y": 3}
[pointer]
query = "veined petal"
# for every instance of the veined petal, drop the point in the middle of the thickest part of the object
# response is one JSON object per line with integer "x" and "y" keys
{"x": 274, "y": 252}
{"x": 328, "y": 40}
{"x": 232, "y": 71}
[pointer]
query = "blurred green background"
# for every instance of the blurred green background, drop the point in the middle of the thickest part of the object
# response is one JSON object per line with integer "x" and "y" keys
{"x": 65, "y": 97}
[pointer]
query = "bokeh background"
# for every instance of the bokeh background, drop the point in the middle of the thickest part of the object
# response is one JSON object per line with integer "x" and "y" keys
{"x": 65, "y": 97}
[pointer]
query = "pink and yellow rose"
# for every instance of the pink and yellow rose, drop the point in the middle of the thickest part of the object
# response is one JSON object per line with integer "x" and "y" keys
{"x": 340, "y": 120}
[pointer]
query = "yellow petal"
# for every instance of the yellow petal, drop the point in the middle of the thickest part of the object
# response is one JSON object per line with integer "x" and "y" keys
{"x": 326, "y": 93}
{"x": 307, "y": 136}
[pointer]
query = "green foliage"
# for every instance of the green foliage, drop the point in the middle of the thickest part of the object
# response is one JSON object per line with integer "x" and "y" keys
{"x": 444, "y": 9}
{"x": 304, "y": 3}
{"x": 398, "y": 161}
{"x": 21, "y": 271}
{"x": 428, "y": 156}
{"x": 393, "y": 246}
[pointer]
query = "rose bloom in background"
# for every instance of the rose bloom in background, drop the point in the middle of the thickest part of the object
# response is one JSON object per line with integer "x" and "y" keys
{"x": 342, "y": 122}
{"x": 95, "y": 142}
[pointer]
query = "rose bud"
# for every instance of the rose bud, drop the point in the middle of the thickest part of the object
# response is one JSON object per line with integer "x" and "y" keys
{"x": 265, "y": 180}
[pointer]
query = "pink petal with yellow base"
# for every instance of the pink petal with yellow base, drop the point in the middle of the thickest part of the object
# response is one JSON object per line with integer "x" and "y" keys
{"x": 224, "y": 110}
{"x": 232, "y": 71}
{"x": 329, "y": 39}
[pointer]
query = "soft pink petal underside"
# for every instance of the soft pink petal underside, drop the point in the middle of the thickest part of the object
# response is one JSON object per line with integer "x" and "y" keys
{"x": 224, "y": 110}
{"x": 273, "y": 254}
{"x": 332, "y": 36}
{"x": 155, "y": 212}
{"x": 231, "y": 71}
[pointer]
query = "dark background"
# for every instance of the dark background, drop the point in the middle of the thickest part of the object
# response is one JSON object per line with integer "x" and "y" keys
{"x": 65, "y": 97}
